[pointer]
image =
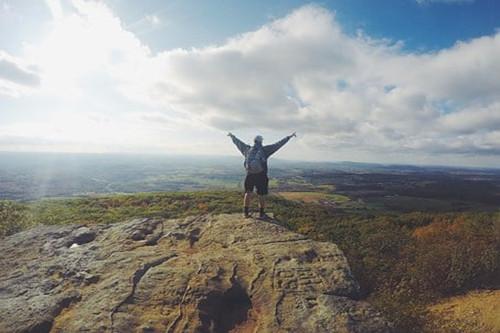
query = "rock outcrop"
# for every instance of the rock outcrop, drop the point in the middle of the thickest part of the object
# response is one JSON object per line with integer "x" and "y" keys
{"x": 202, "y": 274}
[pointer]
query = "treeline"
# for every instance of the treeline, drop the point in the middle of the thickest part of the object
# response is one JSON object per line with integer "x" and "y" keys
{"x": 402, "y": 262}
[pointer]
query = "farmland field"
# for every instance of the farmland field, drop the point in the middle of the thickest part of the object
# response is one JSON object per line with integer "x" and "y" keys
{"x": 316, "y": 197}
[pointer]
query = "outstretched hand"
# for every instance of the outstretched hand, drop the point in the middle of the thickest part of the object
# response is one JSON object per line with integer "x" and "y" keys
{"x": 294, "y": 134}
{"x": 229, "y": 134}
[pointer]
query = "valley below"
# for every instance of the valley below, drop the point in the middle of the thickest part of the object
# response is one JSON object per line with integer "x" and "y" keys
{"x": 422, "y": 243}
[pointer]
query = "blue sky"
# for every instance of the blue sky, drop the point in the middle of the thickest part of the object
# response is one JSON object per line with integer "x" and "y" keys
{"x": 428, "y": 25}
{"x": 400, "y": 81}
{"x": 424, "y": 25}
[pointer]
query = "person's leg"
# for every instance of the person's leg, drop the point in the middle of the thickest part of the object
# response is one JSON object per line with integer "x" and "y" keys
{"x": 246, "y": 199}
{"x": 262, "y": 190}
{"x": 246, "y": 203}
{"x": 262, "y": 204}
{"x": 262, "y": 201}
{"x": 249, "y": 185}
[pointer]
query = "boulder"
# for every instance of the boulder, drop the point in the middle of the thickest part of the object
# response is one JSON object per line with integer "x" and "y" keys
{"x": 208, "y": 273}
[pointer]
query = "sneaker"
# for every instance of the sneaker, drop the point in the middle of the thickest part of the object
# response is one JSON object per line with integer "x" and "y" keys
{"x": 264, "y": 216}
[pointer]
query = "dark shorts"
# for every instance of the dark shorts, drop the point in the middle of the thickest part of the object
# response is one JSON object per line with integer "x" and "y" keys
{"x": 257, "y": 180}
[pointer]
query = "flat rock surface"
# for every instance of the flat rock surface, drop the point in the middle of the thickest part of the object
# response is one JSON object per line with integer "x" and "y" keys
{"x": 219, "y": 273}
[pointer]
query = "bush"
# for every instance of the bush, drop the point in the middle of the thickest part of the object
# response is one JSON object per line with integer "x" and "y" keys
{"x": 14, "y": 217}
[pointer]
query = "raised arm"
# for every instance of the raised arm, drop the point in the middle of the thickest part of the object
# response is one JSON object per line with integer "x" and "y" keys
{"x": 242, "y": 147}
{"x": 271, "y": 149}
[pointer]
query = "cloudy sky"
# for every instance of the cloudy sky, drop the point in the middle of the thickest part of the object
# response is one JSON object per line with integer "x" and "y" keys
{"x": 393, "y": 81}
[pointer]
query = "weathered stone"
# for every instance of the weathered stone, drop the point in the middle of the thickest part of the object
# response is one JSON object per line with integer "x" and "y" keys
{"x": 82, "y": 235}
{"x": 201, "y": 274}
{"x": 138, "y": 235}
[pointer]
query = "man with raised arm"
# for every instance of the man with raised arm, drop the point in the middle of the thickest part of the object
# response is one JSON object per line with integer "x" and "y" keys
{"x": 256, "y": 166}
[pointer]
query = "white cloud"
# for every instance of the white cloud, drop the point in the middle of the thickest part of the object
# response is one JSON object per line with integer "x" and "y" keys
{"x": 153, "y": 19}
{"x": 16, "y": 77}
{"x": 287, "y": 75}
{"x": 347, "y": 96}
{"x": 82, "y": 45}
{"x": 6, "y": 8}
{"x": 55, "y": 8}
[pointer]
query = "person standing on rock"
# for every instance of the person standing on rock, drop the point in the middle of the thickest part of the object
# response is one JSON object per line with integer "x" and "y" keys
{"x": 256, "y": 166}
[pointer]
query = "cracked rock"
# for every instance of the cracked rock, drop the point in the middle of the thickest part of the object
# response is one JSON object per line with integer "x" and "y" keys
{"x": 206, "y": 273}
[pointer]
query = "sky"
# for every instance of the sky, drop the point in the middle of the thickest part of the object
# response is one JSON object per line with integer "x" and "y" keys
{"x": 389, "y": 81}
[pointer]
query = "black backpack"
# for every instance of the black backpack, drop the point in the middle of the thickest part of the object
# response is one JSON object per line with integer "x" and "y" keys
{"x": 255, "y": 160}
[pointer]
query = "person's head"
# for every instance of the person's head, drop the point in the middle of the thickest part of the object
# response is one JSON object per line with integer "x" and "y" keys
{"x": 258, "y": 140}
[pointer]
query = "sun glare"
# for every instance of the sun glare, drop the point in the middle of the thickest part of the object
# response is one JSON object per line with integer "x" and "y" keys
{"x": 80, "y": 44}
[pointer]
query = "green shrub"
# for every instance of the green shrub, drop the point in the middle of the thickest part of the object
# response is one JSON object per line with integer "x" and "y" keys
{"x": 14, "y": 217}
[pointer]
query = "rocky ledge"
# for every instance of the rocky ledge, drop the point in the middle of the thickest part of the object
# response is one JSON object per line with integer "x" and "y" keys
{"x": 201, "y": 274}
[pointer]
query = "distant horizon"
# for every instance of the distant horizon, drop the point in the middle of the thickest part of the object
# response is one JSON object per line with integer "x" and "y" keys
{"x": 239, "y": 157}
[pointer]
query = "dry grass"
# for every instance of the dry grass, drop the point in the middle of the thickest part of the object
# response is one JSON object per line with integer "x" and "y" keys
{"x": 474, "y": 312}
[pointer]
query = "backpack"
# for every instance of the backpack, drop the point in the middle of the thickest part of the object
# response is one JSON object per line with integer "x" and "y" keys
{"x": 255, "y": 160}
